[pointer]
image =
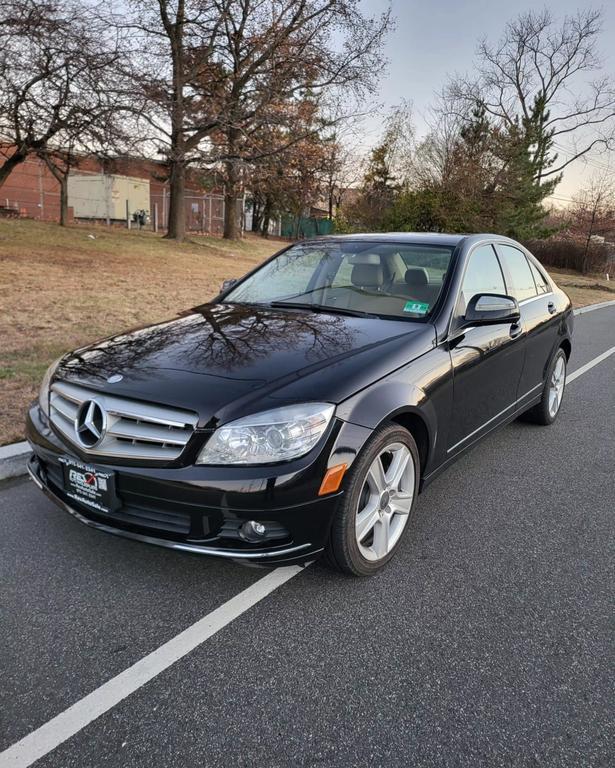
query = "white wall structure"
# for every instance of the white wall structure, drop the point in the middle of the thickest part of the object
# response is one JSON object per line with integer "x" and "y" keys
{"x": 107, "y": 197}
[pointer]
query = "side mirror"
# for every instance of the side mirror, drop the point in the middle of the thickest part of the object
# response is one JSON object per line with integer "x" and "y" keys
{"x": 227, "y": 284}
{"x": 491, "y": 309}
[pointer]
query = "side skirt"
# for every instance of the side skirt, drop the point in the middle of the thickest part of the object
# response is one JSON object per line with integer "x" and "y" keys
{"x": 425, "y": 481}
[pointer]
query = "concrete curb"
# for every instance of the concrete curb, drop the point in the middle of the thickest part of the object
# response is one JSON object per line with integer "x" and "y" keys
{"x": 13, "y": 457}
{"x": 591, "y": 307}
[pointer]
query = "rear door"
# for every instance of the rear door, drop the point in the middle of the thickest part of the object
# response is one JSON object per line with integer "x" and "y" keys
{"x": 538, "y": 313}
{"x": 487, "y": 360}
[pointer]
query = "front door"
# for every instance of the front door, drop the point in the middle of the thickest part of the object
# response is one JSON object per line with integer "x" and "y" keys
{"x": 487, "y": 360}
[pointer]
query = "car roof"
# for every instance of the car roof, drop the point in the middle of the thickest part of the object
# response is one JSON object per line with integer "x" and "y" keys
{"x": 415, "y": 238}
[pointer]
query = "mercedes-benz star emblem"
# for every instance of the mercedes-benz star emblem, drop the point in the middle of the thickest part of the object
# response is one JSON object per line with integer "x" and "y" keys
{"x": 91, "y": 423}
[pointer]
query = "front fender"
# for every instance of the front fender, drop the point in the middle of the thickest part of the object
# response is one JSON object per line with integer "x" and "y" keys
{"x": 422, "y": 389}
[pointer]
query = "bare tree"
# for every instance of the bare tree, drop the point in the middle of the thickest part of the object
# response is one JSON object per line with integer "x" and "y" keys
{"x": 99, "y": 133}
{"x": 435, "y": 155}
{"x": 168, "y": 45}
{"x": 288, "y": 176}
{"x": 54, "y": 60}
{"x": 272, "y": 55}
{"x": 548, "y": 78}
{"x": 342, "y": 168}
{"x": 213, "y": 73}
{"x": 592, "y": 214}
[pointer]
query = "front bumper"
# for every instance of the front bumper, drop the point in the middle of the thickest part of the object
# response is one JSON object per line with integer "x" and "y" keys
{"x": 199, "y": 509}
{"x": 290, "y": 554}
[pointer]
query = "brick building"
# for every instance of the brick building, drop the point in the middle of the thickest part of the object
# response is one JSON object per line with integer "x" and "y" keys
{"x": 31, "y": 190}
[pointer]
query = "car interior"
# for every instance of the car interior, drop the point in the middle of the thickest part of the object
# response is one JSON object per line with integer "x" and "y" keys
{"x": 391, "y": 282}
{"x": 398, "y": 280}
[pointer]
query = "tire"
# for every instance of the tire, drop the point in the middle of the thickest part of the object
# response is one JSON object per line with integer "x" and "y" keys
{"x": 386, "y": 501}
{"x": 545, "y": 412}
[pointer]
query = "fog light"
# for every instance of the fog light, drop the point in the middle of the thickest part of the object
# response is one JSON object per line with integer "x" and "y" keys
{"x": 252, "y": 531}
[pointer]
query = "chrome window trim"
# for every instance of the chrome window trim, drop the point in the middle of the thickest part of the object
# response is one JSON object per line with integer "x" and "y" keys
{"x": 534, "y": 298}
{"x": 493, "y": 418}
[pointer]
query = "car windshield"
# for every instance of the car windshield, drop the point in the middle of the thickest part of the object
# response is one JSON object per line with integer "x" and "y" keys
{"x": 351, "y": 277}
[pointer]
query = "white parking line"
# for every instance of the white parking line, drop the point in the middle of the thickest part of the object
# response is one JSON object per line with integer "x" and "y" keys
{"x": 41, "y": 741}
{"x": 53, "y": 733}
{"x": 588, "y": 366}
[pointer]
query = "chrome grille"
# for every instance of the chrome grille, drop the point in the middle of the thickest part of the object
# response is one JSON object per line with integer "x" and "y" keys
{"x": 134, "y": 430}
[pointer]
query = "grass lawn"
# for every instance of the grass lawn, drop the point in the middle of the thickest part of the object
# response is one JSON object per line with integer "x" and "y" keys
{"x": 585, "y": 289}
{"x": 61, "y": 288}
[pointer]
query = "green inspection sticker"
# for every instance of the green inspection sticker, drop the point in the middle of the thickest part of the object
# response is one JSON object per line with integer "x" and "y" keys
{"x": 418, "y": 307}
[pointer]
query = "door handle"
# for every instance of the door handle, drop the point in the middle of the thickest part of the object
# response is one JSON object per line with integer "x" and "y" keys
{"x": 515, "y": 330}
{"x": 552, "y": 308}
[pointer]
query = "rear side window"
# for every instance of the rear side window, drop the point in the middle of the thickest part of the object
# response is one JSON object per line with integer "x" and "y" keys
{"x": 483, "y": 275}
{"x": 542, "y": 286}
{"x": 522, "y": 283}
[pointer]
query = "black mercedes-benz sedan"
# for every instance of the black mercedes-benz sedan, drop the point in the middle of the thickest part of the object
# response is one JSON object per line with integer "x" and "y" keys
{"x": 304, "y": 409}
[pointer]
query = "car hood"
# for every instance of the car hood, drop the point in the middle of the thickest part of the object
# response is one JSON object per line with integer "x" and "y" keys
{"x": 220, "y": 354}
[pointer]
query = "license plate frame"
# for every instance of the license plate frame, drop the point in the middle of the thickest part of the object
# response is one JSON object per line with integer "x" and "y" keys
{"x": 90, "y": 485}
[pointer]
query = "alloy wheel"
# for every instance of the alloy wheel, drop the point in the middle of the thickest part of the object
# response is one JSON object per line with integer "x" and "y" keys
{"x": 385, "y": 501}
{"x": 556, "y": 386}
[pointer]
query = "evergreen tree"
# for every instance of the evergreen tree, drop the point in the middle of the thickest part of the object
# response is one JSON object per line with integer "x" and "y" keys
{"x": 527, "y": 154}
{"x": 371, "y": 211}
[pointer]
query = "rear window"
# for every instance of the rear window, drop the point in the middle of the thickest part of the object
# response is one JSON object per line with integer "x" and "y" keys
{"x": 435, "y": 261}
{"x": 522, "y": 284}
{"x": 542, "y": 285}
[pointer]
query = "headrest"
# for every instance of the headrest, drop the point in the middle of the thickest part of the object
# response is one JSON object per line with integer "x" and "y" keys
{"x": 416, "y": 277}
{"x": 364, "y": 258}
{"x": 367, "y": 275}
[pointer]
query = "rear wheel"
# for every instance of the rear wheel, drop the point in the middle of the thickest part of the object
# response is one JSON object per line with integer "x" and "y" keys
{"x": 381, "y": 491}
{"x": 545, "y": 412}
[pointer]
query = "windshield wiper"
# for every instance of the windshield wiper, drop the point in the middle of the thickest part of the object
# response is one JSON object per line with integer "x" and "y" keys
{"x": 319, "y": 308}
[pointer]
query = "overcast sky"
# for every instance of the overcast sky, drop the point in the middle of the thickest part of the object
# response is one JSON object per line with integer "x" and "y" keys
{"x": 433, "y": 38}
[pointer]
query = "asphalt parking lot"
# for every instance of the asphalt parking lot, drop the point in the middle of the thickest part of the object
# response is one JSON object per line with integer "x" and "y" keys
{"x": 487, "y": 641}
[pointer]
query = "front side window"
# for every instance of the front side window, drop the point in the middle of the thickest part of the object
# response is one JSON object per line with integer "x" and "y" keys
{"x": 483, "y": 275}
{"x": 514, "y": 262}
{"x": 353, "y": 277}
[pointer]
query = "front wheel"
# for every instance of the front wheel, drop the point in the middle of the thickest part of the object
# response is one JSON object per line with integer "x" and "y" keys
{"x": 381, "y": 491}
{"x": 545, "y": 412}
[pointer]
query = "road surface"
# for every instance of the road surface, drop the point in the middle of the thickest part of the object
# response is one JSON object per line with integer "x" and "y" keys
{"x": 488, "y": 641}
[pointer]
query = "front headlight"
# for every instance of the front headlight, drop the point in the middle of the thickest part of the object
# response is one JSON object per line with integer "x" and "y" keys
{"x": 277, "y": 435}
{"x": 43, "y": 394}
